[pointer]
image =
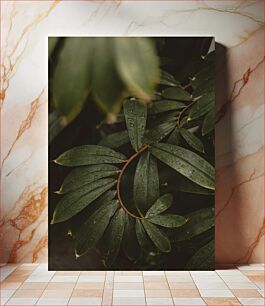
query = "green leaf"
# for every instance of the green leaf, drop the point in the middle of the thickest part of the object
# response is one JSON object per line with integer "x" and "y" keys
{"x": 85, "y": 175}
{"x": 168, "y": 117}
{"x": 113, "y": 237}
{"x": 168, "y": 79}
{"x": 138, "y": 65}
{"x": 141, "y": 235}
{"x": 93, "y": 229}
{"x": 72, "y": 77}
{"x": 89, "y": 155}
{"x": 73, "y": 202}
{"x": 186, "y": 163}
{"x": 105, "y": 198}
{"x": 55, "y": 126}
{"x": 203, "y": 259}
{"x": 164, "y": 106}
{"x": 146, "y": 182}
{"x": 188, "y": 186}
{"x": 159, "y": 239}
{"x": 204, "y": 78}
{"x": 115, "y": 140}
{"x": 168, "y": 220}
{"x": 75, "y": 223}
{"x": 202, "y": 106}
{"x": 107, "y": 85}
{"x": 174, "y": 137}
{"x": 52, "y": 41}
{"x": 135, "y": 116}
{"x": 160, "y": 205}
{"x": 199, "y": 222}
{"x": 130, "y": 244}
{"x": 206, "y": 88}
{"x": 159, "y": 132}
{"x": 190, "y": 70}
{"x": 176, "y": 93}
{"x": 208, "y": 122}
{"x": 192, "y": 140}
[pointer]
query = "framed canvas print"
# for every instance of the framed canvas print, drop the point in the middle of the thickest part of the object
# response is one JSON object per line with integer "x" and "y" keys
{"x": 131, "y": 153}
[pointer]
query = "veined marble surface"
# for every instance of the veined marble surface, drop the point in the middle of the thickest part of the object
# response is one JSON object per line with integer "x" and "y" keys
{"x": 237, "y": 25}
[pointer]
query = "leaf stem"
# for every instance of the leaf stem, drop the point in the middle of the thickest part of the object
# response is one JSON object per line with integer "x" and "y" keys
{"x": 186, "y": 86}
{"x": 183, "y": 111}
{"x": 128, "y": 161}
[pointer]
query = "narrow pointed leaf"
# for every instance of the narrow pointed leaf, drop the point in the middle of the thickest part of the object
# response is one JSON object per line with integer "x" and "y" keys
{"x": 87, "y": 174}
{"x": 159, "y": 239}
{"x": 168, "y": 79}
{"x": 208, "y": 122}
{"x": 143, "y": 239}
{"x": 164, "y": 106}
{"x": 188, "y": 186}
{"x": 199, "y": 221}
{"x": 138, "y": 65}
{"x": 176, "y": 93}
{"x": 130, "y": 244}
{"x": 107, "y": 85}
{"x": 115, "y": 140}
{"x": 89, "y": 155}
{"x": 160, "y": 205}
{"x": 203, "y": 259}
{"x": 106, "y": 197}
{"x": 93, "y": 229}
{"x": 72, "y": 77}
{"x": 146, "y": 182}
{"x": 205, "y": 88}
{"x": 163, "y": 118}
{"x": 159, "y": 132}
{"x": 186, "y": 163}
{"x": 113, "y": 237}
{"x": 202, "y": 106}
{"x": 204, "y": 76}
{"x": 168, "y": 220}
{"x": 174, "y": 137}
{"x": 73, "y": 202}
{"x": 192, "y": 140}
{"x": 190, "y": 70}
{"x": 135, "y": 115}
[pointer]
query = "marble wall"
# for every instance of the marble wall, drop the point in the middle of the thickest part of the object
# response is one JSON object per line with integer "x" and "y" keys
{"x": 237, "y": 25}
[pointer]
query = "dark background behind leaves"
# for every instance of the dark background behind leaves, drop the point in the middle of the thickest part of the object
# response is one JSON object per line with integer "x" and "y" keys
{"x": 176, "y": 56}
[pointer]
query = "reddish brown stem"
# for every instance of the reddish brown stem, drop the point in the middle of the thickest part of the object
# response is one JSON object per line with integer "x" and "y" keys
{"x": 128, "y": 161}
{"x": 186, "y": 86}
{"x": 183, "y": 111}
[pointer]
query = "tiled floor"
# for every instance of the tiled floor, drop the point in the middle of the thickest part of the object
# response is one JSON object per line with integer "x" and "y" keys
{"x": 33, "y": 284}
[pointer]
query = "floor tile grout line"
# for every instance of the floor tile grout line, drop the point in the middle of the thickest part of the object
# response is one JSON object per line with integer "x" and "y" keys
{"x": 231, "y": 289}
{"x": 112, "y": 290}
{"x": 102, "y": 295}
{"x": 219, "y": 276}
{"x": 199, "y": 289}
{"x": 70, "y": 297}
{"x": 112, "y": 293}
{"x": 227, "y": 287}
{"x": 73, "y": 288}
{"x": 169, "y": 288}
{"x": 145, "y": 298}
{"x": 19, "y": 265}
